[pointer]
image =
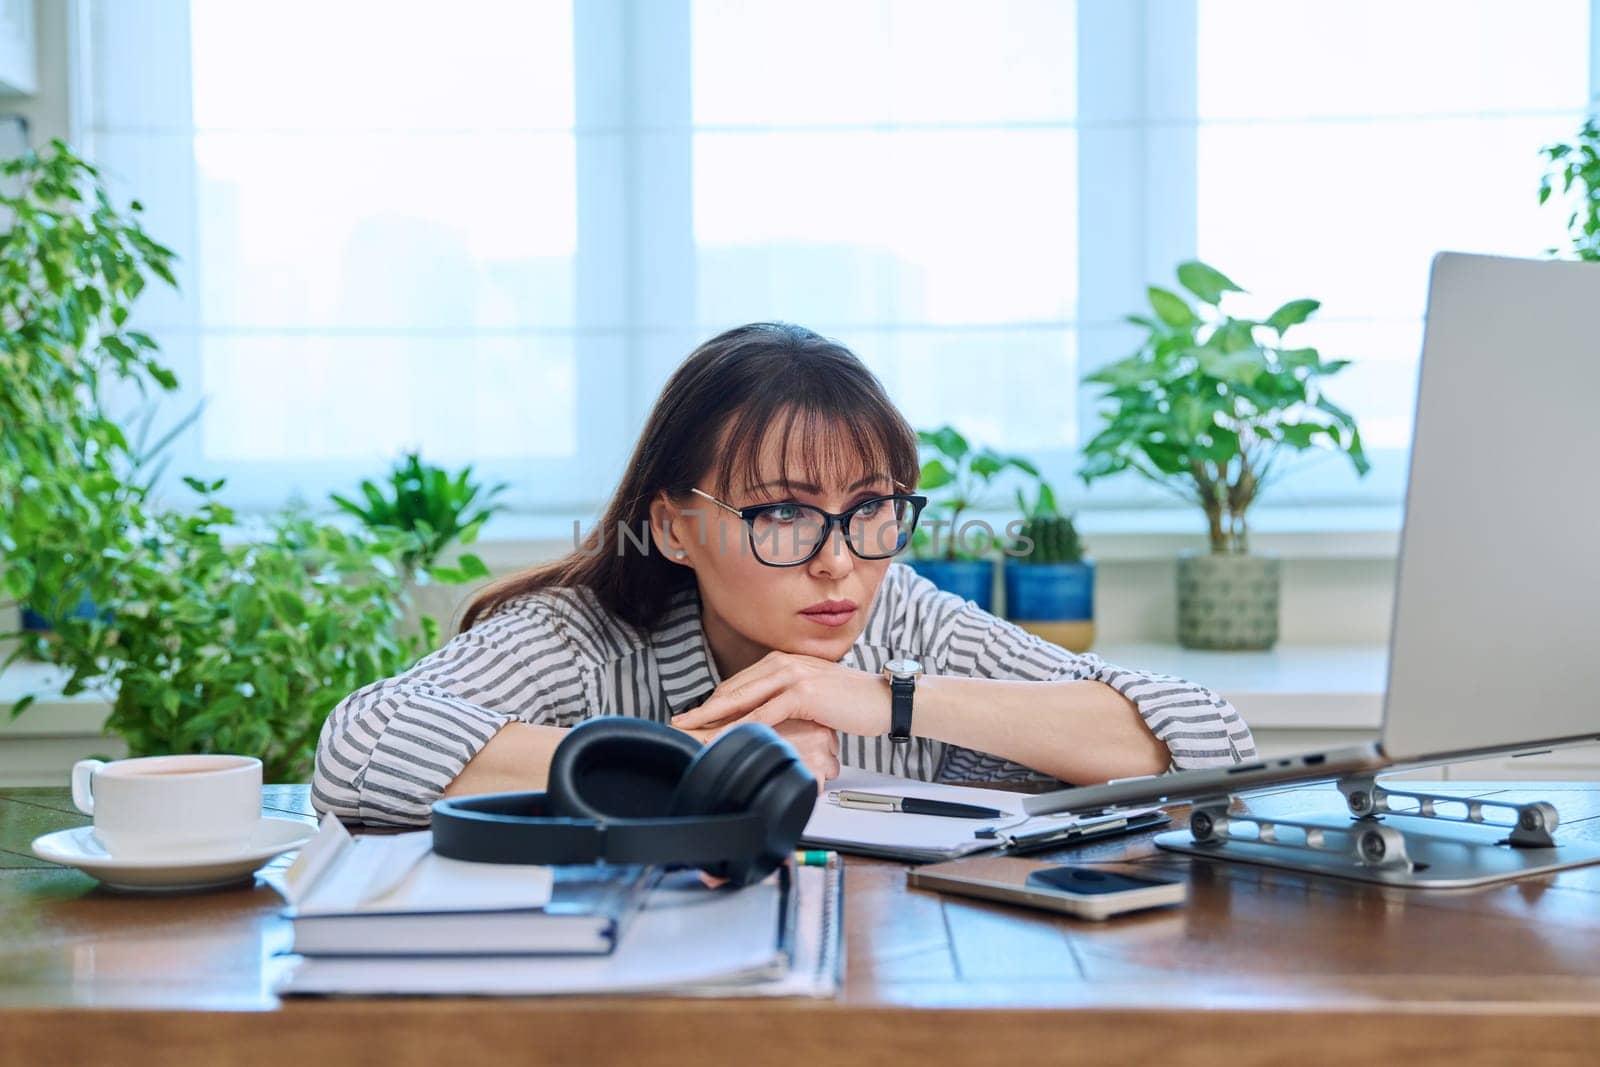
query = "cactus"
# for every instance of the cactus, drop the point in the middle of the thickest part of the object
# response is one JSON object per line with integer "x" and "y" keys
{"x": 1055, "y": 540}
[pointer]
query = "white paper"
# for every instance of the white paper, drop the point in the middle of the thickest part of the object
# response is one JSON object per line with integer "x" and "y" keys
{"x": 313, "y": 859}
{"x": 337, "y": 874}
{"x": 924, "y": 836}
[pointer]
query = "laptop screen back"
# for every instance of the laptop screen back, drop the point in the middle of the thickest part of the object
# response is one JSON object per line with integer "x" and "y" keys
{"x": 1496, "y": 642}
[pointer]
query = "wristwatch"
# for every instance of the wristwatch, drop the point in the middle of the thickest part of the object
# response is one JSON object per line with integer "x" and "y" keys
{"x": 902, "y": 675}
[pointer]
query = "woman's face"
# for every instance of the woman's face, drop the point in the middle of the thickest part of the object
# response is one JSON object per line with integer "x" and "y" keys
{"x": 817, "y": 608}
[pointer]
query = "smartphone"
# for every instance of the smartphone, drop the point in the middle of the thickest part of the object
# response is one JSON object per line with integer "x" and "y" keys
{"x": 1095, "y": 893}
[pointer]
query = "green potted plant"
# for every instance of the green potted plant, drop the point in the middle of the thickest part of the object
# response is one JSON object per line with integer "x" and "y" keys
{"x": 1209, "y": 407}
{"x": 1576, "y": 165}
{"x": 241, "y": 646}
{"x": 443, "y": 512}
{"x": 71, "y": 267}
{"x": 202, "y": 643}
{"x": 441, "y": 508}
{"x": 1049, "y": 584}
{"x": 957, "y": 556}
{"x": 52, "y": 544}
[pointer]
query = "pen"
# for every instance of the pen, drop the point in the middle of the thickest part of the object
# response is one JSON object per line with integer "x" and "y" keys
{"x": 850, "y": 798}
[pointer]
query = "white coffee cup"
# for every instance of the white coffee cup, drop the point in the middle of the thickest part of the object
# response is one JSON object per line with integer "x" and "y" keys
{"x": 158, "y": 805}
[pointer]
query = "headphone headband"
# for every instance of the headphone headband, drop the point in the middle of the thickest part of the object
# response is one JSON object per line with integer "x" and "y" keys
{"x": 501, "y": 828}
{"x": 626, "y": 790}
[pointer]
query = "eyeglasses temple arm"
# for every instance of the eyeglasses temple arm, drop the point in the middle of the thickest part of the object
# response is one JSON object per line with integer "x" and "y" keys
{"x": 714, "y": 500}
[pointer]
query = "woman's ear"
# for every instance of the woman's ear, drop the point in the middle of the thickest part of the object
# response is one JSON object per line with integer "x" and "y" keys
{"x": 666, "y": 526}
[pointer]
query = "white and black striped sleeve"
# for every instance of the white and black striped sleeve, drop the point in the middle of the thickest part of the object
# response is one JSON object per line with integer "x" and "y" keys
{"x": 1199, "y": 728}
{"x": 389, "y": 749}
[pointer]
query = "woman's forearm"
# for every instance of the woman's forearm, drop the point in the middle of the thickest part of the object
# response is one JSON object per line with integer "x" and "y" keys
{"x": 517, "y": 758}
{"x": 1081, "y": 732}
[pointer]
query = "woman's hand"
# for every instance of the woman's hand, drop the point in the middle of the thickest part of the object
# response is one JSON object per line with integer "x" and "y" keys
{"x": 783, "y": 687}
{"x": 817, "y": 745}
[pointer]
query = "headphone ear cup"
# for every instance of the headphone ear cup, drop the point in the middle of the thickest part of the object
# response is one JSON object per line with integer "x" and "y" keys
{"x": 722, "y": 767}
{"x": 784, "y": 802}
{"x": 751, "y": 769}
{"x": 617, "y": 767}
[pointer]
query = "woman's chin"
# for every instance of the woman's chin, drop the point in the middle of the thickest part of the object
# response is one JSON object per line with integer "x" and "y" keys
{"x": 822, "y": 646}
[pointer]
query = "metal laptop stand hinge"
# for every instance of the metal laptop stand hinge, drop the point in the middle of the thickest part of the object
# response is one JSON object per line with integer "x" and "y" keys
{"x": 1372, "y": 848}
{"x": 1531, "y": 824}
{"x": 1365, "y": 843}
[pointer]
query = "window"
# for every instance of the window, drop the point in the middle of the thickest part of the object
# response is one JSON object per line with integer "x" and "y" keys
{"x": 376, "y": 208}
{"x": 901, "y": 175}
{"x": 1389, "y": 132}
{"x": 491, "y": 229}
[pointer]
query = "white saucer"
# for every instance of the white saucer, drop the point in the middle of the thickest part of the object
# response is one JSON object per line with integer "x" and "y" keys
{"x": 79, "y": 848}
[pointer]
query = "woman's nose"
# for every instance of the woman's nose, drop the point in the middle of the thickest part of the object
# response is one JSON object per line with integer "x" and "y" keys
{"x": 834, "y": 558}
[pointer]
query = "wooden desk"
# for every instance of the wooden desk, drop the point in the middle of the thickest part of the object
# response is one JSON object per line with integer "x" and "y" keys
{"x": 1262, "y": 967}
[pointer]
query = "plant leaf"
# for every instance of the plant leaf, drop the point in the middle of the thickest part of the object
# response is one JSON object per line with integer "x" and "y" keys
{"x": 935, "y": 475}
{"x": 986, "y": 465}
{"x": 1292, "y": 314}
{"x": 950, "y": 442}
{"x": 1205, "y": 282}
{"x": 1171, "y": 308}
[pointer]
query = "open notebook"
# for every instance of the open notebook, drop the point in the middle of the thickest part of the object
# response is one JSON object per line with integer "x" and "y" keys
{"x": 927, "y": 838}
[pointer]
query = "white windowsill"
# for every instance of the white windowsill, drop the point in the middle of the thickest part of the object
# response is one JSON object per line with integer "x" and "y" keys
{"x": 1298, "y": 687}
{"x": 51, "y": 714}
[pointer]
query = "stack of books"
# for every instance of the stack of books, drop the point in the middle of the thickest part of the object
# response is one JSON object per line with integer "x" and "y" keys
{"x": 385, "y": 915}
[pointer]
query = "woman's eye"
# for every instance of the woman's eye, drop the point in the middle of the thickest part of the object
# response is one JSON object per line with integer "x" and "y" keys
{"x": 784, "y": 513}
{"x": 870, "y": 509}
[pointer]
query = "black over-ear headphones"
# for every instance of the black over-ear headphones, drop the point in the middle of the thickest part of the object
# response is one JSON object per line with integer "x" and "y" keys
{"x": 626, "y": 790}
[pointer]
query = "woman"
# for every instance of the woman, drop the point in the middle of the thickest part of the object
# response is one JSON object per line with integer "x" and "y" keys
{"x": 743, "y": 573}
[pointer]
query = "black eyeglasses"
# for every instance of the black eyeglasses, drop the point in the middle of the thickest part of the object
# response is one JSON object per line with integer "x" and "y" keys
{"x": 788, "y": 534}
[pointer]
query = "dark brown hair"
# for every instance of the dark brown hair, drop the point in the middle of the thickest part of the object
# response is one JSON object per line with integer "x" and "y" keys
{"x": 710, "y": 423}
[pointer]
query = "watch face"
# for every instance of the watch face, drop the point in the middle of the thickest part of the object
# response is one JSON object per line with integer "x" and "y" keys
{"x": 903, "y": 667}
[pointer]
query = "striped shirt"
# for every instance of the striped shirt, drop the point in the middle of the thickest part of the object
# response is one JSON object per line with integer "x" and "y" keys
{"x": 557, "y": 657}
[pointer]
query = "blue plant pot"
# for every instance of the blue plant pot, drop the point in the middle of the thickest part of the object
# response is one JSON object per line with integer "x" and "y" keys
{"x": 970, "y": 579}
{"x": 33, "y": 622}
{"x": 1049, "y": 592}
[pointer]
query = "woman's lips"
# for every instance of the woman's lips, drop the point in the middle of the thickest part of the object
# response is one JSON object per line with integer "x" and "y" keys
{"x": 829, "y": 618}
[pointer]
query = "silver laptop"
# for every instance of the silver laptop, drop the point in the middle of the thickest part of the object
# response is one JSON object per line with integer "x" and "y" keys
{"x": 1495, "y": 646}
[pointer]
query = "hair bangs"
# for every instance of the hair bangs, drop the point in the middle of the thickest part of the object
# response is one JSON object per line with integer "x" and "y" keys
{"x": 825, "y": 445}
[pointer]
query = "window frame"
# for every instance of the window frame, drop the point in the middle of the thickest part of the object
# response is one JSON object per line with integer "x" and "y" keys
{"x": 635, "y": 314}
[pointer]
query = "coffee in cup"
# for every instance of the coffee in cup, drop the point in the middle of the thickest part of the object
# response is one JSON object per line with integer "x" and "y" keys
{"x": 156, "y": 805}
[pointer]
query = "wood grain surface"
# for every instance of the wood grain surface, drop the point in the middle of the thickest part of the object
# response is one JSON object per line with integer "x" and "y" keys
{"x": 1261, "y": 967}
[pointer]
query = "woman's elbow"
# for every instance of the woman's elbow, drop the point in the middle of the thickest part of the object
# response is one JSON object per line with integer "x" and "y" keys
{"x": 1150, "y": 757}
{"x": 337, "y": 766}
{"x": 1140, "y": 753}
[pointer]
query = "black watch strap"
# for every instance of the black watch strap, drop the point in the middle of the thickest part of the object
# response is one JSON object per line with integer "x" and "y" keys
{"x": 901, "y": 691}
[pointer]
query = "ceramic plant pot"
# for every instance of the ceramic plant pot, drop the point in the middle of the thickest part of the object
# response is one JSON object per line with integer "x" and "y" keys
{"x": 1053, "y": 600}
{"x": 1227, "y": 601}
{"x": 970, "y": 579}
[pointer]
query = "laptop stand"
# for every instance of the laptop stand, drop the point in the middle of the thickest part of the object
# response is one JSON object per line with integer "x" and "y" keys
{"x": 1444, "y": 841}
